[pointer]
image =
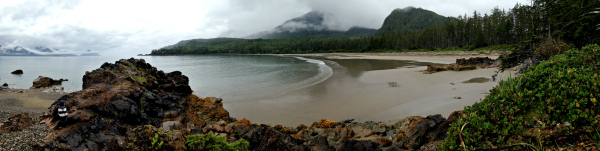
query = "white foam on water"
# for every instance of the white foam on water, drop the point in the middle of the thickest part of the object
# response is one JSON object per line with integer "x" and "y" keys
{"x": 324, "y": 73}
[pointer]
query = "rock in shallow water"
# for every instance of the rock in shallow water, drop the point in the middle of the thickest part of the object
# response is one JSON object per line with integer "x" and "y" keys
{"x": 42, "y": 82}
{"x": 19, "y": 71}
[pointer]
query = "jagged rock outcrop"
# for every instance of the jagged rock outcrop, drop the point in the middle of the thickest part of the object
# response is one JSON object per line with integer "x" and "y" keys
{"x": 412, "y": 133}
{"x": 17, "y": 122}
{"x": 42, "y": 82}
{"x": 464, "y": 64}
{"x": 19, "y": 71}
{"x": 123, "y": 104}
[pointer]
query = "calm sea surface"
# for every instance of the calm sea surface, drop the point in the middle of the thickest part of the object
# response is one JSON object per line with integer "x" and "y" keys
{"x": 231, "y": 77}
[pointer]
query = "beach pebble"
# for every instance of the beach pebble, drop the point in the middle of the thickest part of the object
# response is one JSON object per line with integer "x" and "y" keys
{"x": 23, "y": 140}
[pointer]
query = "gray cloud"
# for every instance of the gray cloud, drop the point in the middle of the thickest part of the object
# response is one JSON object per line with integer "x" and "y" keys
{"x": 31, "y": 10}
{"x": 29, "y": 24}
{"x": 130, "y": 27}
{"x": 255, "y": 16}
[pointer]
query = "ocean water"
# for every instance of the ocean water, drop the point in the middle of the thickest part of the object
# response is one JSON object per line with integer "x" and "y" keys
{"x": 231, "y": 77}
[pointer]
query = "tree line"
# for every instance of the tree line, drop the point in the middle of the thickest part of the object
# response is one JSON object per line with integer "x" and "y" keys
{"x": 573, "y": 21}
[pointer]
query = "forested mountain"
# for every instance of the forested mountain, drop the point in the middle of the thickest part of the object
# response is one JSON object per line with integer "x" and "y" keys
{"x": 309, "y": 25}
{"x": 545, "y": 19}
{"x": 410, "y": 18}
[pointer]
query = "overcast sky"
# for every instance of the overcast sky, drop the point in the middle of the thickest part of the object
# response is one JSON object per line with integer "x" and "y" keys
{"x": 133, "y": 27}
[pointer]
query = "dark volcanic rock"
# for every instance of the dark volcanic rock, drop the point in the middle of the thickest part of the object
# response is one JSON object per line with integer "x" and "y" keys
{"x": 17, "y": 122}
{"x": 126, "y": 101}
{"x": 262, "y": 137}
{"x": 351, "y": 145}
{"x": 4, "y": 86}
{"x": 19, "y": 71}
{"x": 42, "y": 82}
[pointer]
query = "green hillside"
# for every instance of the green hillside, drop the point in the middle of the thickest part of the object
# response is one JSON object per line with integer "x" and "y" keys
{"x": 410, "y": 18}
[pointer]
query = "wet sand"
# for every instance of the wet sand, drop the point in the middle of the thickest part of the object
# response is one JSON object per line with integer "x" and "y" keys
{"x": 31, "y": 100}
{"x": 372, "y": 88}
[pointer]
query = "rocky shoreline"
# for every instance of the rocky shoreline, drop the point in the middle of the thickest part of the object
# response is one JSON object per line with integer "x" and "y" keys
{"x": 25, "y": 139}
{"x": 123, "y": 105}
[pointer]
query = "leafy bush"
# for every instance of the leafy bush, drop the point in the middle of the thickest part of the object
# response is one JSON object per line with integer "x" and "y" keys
{"x": 558, "y": 94}
{"x": 212, "y": 142}
{"x": 545, "y": 50}
{"x": 155, "y": 143}
{"x": 522, "y": 52}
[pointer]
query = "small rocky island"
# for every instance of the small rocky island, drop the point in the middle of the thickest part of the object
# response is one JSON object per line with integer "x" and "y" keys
{"x": 18, "y": 72}
{"x": 130, "y": 105}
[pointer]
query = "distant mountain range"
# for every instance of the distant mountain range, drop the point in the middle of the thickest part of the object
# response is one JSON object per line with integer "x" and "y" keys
{"x": 11, "y": 50}
{"x": 313, "y": 25}
{"x": 307, "y": 25}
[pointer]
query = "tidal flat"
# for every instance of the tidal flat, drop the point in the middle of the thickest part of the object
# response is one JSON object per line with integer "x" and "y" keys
{"x": 380, "y": 88}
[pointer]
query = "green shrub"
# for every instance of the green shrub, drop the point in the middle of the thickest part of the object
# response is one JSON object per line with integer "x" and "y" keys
{"x": 155, "y": 144}
{"x": 212, "y": 142}
{"x": 561, "y": 90}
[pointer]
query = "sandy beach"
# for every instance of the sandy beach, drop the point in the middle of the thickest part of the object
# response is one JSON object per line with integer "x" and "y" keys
{"x": 31, "y": 101}
{"x": 359, "y": 91}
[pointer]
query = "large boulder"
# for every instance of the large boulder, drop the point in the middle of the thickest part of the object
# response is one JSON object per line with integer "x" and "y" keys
{"x": 42, "y": 82}
{"x": 4, "y": 86}
{"x": 17, "y": 122}
{"x": 125, "y": 101}
{"x": 19, "y": 71}
{"x": 418, "y": 131}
